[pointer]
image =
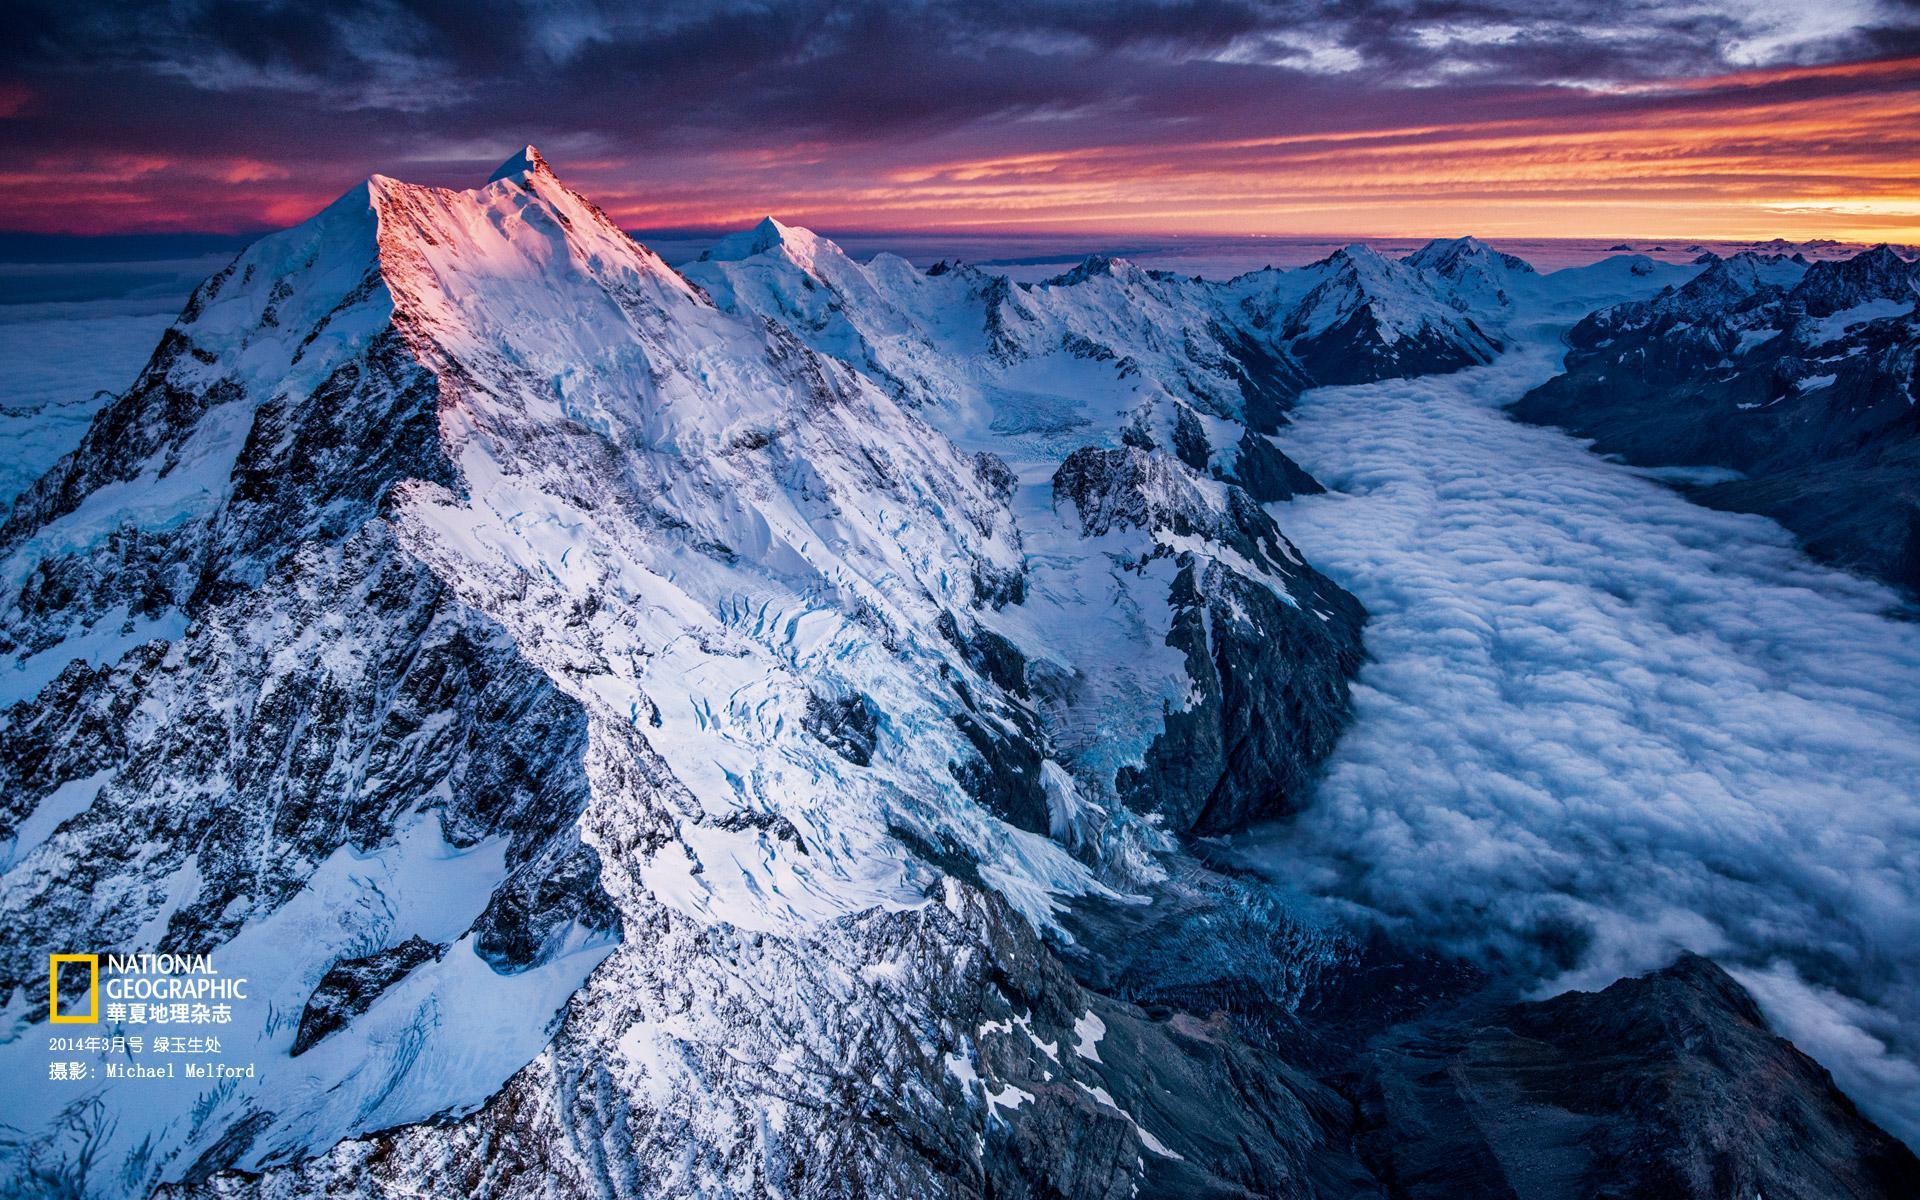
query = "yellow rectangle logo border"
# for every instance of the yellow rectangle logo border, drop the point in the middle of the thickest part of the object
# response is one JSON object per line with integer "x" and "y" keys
{"x": 93, "y": 989}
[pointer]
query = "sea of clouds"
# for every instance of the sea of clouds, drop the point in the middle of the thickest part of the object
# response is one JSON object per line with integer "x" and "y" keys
{"x": 71, "y": 334}
{"x": 1601, "y": 724}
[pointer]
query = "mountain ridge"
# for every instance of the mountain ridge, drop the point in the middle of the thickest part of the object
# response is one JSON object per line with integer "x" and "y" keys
{"x": 1797, "y": 379}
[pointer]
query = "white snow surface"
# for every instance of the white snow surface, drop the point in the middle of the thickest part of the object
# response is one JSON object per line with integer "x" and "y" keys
{"x": 255, "y": 340}
{"x": 1088, "y": 1029}
{"x": 1826, "y": 329}
{"x": 810, "y": 514}
{"x": 1105, "y": 1097}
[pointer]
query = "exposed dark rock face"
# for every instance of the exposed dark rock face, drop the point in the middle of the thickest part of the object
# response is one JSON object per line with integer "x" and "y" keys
{"x": 996, "y": 474}
{"x": 1003, "y": 773}
{"x": 999, "y": 722}
{"x": 303, "y": 756}
{"x": 546, "y": 896}
{"x": 993, "y": 656}
{"x": 1667, "y": 1085}
{"x": 1087, "y": 1091}
{"x": 847, "y": 724}
{"x": 146, "y": 573}
{"x": 1269, "y": 643}
{"x": 1190, "y": 440}
{"x": 1123, "y": 487}
{"x": 1833, "y": 286}
{"x": 1128, "y": 488}
{"x": 316, "y": 467}
{"x": 351, "y": 985}
{"x": 1223, "y": 944}
{"x": 1357, "y": 350}
{"x": 1272, "y": 699}
{"x": 1267, "y": 474}
{"x": 1756, "y": 367}
{"x": 1270, "y": 379}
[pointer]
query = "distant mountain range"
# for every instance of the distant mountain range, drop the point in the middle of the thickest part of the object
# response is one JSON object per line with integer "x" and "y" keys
{"x": 1798, "y": 378}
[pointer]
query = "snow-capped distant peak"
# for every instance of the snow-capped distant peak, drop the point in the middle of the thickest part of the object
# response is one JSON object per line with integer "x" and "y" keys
{"x": 526, "y": 162}
{"x": 803, "y": 246}
{"x": 1357, "y": 274}
{"x": 1355, "y": 254}
{"x": 1879, "y": 273}
{"x": 1366, "y": 317}
{"x": 1456, "y": 257}
{"x": 1092, "y": 267}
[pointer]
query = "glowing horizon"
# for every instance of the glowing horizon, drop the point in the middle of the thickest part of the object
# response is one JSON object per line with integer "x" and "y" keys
{"x": 1566, "y": 130}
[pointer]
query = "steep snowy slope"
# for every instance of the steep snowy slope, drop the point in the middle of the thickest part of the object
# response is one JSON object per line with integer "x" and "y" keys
{"x": 1476, "y": 273}
{"x": 1357, "y": 316}
{"x": 1030, "y": 370}
{"x": 1797, "y": 380}
{"x": 241, "y": 719}
{"x": 1207, "y": 369}
{"x": 459, "y": 593}
{"x": 1122, "y": 408}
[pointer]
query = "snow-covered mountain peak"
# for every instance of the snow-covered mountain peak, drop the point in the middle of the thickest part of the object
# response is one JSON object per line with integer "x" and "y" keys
{"x": 1366, "y": 309}
{"x": 527, "y": 270}
{"x": 1753, "y": 291}
{"x": 466, "y": 616}
{"x": 803, "y": 247}
{"x": 1439, "y": 252}
{"x": 1753, "y": 271}
{"x": 1477, "y": 271}
{"x": 1359, "y": 273}
{"x": 1095, "y": 266}
{"x": 678, "y": 532}
{"x": 524, "y": 212}
{"x": 1356, "y": 257}
{"x": 1726, "y": 282}
{"x": 1877, "y": 274}
{"x": 526, "y": 161}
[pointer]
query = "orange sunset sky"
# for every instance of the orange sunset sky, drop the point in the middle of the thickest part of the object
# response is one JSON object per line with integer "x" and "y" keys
{"x": 1538, "y": 120}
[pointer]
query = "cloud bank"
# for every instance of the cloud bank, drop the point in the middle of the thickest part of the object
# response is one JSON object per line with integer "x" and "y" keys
{"x": 1602, "y": 724}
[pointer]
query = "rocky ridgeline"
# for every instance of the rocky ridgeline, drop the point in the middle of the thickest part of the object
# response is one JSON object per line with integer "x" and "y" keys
{"x": 1798, "y": 379}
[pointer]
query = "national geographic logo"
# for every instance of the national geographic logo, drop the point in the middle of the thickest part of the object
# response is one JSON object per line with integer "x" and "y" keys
{"x": 181, "y": 988}
{"x": 54, "y": 963}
